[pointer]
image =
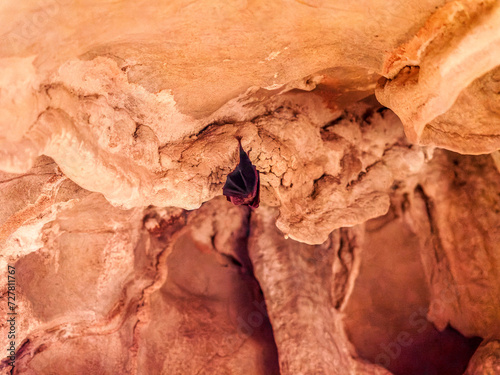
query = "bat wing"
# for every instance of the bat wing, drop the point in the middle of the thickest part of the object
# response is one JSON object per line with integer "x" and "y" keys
{"x": 256, "y": 199}
{"x": 242, "y": 184}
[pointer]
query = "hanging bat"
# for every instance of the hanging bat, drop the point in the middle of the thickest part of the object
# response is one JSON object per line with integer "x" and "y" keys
{"x": 243, "y": 184}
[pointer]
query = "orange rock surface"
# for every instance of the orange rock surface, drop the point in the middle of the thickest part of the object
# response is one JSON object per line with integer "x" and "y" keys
{"x": 374, "y": 126}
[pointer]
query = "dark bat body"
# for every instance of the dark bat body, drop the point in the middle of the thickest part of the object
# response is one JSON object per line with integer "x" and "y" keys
{"x": 243, "y": 184}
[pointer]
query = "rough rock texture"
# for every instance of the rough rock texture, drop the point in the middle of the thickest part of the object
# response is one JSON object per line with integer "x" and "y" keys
{"x": 486, "y": 360}
{"x": 116, "y": 109}
{"x": 395, "y": 331}
{"x": 139, "y": 291}
{"x": 372, "y": 250}
{"x": 443, "y": 83}
{"x": 455, "y": 210}
{"x": 307, "y": 288}
{"x": 144, "y": 289}
{"x": 304, "y": 151}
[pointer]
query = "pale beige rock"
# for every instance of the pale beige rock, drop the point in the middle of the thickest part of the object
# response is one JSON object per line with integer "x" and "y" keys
{"x": 431, "y": 79}
{"x": 302, "y": 155}
{"x": 471, "y": 124}
{"x": 136, "y": 292}
{"x": 20, "y": 100}
{"x": 209, "y": 52}
{"x": 29, "y": 201}
{"x": 124, "y": 312}
{"x": 105, "y": 105}
{"x": 456, "y": 211}
{"x": 306, "y": 288}
{"x": 321, "y": 179}
{"x": 109, "y": 107}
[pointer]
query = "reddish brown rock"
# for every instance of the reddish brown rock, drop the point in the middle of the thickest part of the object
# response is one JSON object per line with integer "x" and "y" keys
{"x": 306, "y": 288}
{"x": 141, "y": 292}
{"x": 486, "y": 360}
{"x": 116, "y": 118}
{"x": 456, "y": 211}
{"x": 386, "y": 316}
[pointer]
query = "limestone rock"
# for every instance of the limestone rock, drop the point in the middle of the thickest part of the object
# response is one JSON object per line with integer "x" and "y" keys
{"x": 443, "y": 83}
{"x": 456, "y": 211}
{"x": 395, "y": 332}
{"x": 112, "y": 113}
{"x": 117, "y": 126}
{"x": 306, "y": 288}
{"x": 486, "y": 360}
{"x": 118, "y": 274}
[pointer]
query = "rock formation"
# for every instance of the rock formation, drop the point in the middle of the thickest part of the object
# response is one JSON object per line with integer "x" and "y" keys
{"x": 375, "y": 128}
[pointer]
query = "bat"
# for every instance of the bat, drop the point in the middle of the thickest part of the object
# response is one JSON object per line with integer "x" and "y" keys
{"x": 243, "y": 184}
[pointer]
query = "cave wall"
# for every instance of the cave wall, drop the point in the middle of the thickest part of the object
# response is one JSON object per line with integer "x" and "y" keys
{"x": 374, "y": 126}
